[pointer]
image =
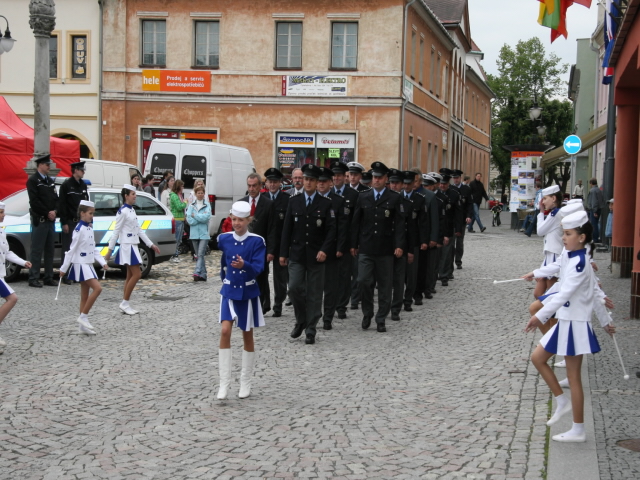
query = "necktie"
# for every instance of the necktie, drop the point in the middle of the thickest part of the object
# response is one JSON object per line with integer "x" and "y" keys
{"x": 339, "y": 192}
{"x": 273, "y": 197}
{"x": 377, "y": 197}
{"x": 308, "y": 201}
{"x": 253, "y": 207}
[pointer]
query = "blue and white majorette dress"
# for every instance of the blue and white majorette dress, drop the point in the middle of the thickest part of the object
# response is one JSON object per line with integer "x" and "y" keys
{"x": 549, "y": 226}
{"x": 240, "y": 292}
{"x": 128, "y": 231}
{"x": 6, "y": 255}
{"x": 78, "y": 261}
{"x": 572, "y": 304}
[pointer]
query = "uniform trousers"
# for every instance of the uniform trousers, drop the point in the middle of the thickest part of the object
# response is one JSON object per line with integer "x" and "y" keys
{"x": 372, "y": 270}
{"x": 265, "y": 292}
{"x": 445, "y": 267}
{"x": 422, "y": 276}
{"x": 433, "y": 260}
{"x": 42, "y": 241}
{"x": 345, "y": 267}
{"x": 355, "y": 290}
{"x": 331, "y": 289}
{"x": 399, "y": 276}
{"x": 412, "y": 278}
{"x": 458, "y": 243}
{"x": 305, "y": 293}
{"x": 280, "y": 281}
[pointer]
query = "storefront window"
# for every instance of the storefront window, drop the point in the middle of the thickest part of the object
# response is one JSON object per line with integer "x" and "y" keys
{"x": 296, "y": 149}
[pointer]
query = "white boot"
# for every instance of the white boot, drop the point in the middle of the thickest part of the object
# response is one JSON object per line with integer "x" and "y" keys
{"x": 564, "y": 383}
{"x": 248, "y": 359}
{"x": 224, "y": 363}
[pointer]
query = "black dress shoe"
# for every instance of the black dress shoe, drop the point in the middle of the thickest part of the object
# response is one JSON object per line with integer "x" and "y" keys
{"x": 450, "y": 277}
{"x": 354, "y": 307}
{"x": 433, "y": 290}
{"x": 483, "y": 229}
{"x": 67, "y": 281}
{"x": 459, "y": 267}
{"x": 310, "y": 340}
{"x": 395, "y": 317}
{"x": 265, "y": 311}
{"x": 381, "y": 328}
{"x": 325, "y": 326}
{"x": 35, "y": 284}
{"x": 366, "y": 322}
{"x": 445, "y": 283}
{"x": 50, "y": 283}
{"x": 297, "y": 331}
{"x": 277, "y": 314}
{"x": 428, "y": 296}
{"x": 417, "y": 301}
{"x": 407, "y": 308}
{"x": 288, "y": 303}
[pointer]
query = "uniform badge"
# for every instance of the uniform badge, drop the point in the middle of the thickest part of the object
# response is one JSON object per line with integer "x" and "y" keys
{"x": 401, "y": 209}
{"x": 346, "y": 210}
{"x": 319, "y": 222}
{"x": 387, "y": 213}
{"x": 296, "y": 219}
{"x": 414, "y": 215}
{"x": 281, "y": 215}
{"x": 448, "y": 206}
{"x": 333, "y": 214}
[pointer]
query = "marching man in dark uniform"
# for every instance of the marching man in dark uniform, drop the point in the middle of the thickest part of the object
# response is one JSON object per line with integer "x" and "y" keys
{"x": 445, "y": 231}
{"x": 309, "y": 232}
{"x": 345, "y": 263}
{"x": 71, "y": 192}
{"x": 338, "y": 251}
{"x": 396, "y": 183}
{"x": 377, "y": 235}
{"x": 355, "y": 176}
{"x": 455, "y": 224}
{"x": 43, "y": 203}
{"x": 466, "y": 202}
{"x": 280, "y": 201}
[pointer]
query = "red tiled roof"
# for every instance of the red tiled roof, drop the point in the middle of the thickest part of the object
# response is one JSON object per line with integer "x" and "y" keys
{"x": 448, "y": 11}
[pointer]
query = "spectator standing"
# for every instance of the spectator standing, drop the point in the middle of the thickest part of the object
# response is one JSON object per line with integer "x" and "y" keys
{"x": 148, "y": 185}
{"x": 164, "y": 183}
{"x": 578, "y": 190}
{"x": 477, "y": 194}
{"x": 536, "y": 204}
{"x": 192, "y": 195}
{"x": 43, "y": 204}
{"x": 164, "y": 196}
{"x": 198, "y": 215}
{"x": 297, "y": 179}
{"x": 136, "y": 182}
{"x": 595, "y": 203}
{"x": 608, "y": 231}
{"x": 177, "y": 206}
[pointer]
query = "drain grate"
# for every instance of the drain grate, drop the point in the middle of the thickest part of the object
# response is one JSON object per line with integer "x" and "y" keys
{"x": 632, "y": 444}
{"x": 165, "y": 299}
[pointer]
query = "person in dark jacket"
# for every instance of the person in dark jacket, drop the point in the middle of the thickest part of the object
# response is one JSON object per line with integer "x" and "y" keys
{"x": 466, "y": 204}
{"x": 416, "y": 217}
{"x": 309, "y": 233}
{"x": 477, "y": 194}
{"x": 72, "y": 191}
{"x": 454, "y": 217}
{"x": 43, "y": 207}
{"x": 377, "y": 236}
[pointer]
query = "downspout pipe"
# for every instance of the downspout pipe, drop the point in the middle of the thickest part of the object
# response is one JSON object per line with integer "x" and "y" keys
{"x": 404, "y": 73}
{"x": 100, "y": 53}
{"x": 609, "y": 163}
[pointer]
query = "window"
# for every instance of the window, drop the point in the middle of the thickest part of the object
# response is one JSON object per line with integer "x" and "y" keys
{"x": 413, "y": 54}
{"x": 78, "y": 64}
{"x": 421, "y": 65}
{"x": 163, "y": 162}
{"x": 429, "y": 169}
{"x": 435, "y": 159}
{"x": 410, "y": 152}
{"x": 433, "y": 67}
{"x": 207, "y": 44}
{"x": 147, "y": 206}
{"x": 445, "y": 82}
{"x": 154, "y": 42}
{"x": 438, "y": 75}
{"x": 418, "y": 154}
{"x": 193, "y": 167}
{"x": 344, "y": 46}
{"x": 289, "y": 45}
{"x": 107, "y": 204}
{"x": 53, "y": 56}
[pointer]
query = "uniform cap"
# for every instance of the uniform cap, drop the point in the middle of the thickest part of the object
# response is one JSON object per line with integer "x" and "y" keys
{"x": 428, "y": 179}
{"x": 571, "y": 208}
{"x": 610, "y": 201}
{"x": 355, "y": 167}
{"x": 241, "y": 209}
{"x": 395, "y": 175}
{"x": 457, "y": 173}
{"x": 379, "y": 169}
{"x": 575, "y": 200}
{"x": 574, "y": 220}
{"x": 44, "y": 159}
{"x": 409, "y": 176}
{"x": 273, "y": 174}
{"x": 366, "y": 177}
{"x": 87, "y": 203}
{"x": 436, "y": 176}
{"x": 310, "y": 170}
{"x": 2, "y": 205}
{"x": 339, "y": 167}
{"x": 325, "y": 173}
{"x": 550, "y": 190}
{"x": 77, "y": 165}
{"x": 129, "y": 187}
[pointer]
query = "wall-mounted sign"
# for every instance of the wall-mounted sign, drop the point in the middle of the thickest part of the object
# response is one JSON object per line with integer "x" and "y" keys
{"x": 314, "y": 86}
{"x": 296, "y": 140}
{"x": 79, "y": 56}
{"x": 176, "y": 81}
{"x": 336, "y": 140}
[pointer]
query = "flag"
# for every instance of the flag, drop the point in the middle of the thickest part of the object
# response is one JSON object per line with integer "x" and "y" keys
{"x": 611, "y": 16}
{"x": 553, "y": 14}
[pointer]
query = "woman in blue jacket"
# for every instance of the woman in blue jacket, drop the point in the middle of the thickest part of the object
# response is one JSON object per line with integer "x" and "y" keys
{"x": 198, "y": 215}
{"x": 243, "y": 256}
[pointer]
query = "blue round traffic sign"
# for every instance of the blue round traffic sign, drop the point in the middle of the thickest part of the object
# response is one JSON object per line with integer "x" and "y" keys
{"x": 572, "y": 144}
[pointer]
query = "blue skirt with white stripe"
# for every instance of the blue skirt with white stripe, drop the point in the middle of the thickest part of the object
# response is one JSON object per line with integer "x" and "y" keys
{"x": 128, "y": 254}
{"x": 79, "y": 272}
{"x": 570, "y": 337}
{"x": 5, "y": 290}
{"x": 246, "y": 314}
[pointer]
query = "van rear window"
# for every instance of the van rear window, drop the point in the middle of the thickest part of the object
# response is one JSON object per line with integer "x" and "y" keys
{"x": 163, "y": 162}
{"x": 193, "y": 167}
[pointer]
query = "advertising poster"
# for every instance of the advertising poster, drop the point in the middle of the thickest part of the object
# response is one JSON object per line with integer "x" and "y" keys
{"x": 176, "y": 81}
{"x": 525, "y": 172}
{"x": 314, "y": 86}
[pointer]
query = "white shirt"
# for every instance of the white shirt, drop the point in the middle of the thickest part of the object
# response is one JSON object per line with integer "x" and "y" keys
{"x": 83, "y": 248}
{"x": 6, "y": 254}
{"x": 551, "y": 229}
{"x": 127, "y": 229}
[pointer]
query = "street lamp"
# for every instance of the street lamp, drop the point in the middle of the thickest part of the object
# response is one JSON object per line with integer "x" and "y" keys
{"x": 542, "y": 130}
{"x": 534, "y": 112}
{"x": 6, "y": 42}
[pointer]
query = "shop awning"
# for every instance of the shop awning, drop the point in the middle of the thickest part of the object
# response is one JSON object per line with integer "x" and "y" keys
{"x": 589, "y": 139}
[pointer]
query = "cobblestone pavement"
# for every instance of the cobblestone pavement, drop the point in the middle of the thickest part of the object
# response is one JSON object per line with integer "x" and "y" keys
{"x": 447, "y": 392}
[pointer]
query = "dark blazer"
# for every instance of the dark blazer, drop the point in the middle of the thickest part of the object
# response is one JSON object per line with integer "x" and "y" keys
{"x": 410, "y": 226}
{"x": 446, "y": 224}
{"x": 308, "y": 230}
{"x": 456, "y": 209}
{"x": 42, "y": 195}
{"x": 416, "y": 216}
{"x": 263, "y": 223}
{"x": 71, "y": 192}
{"x": 431, "y": 216}
{"x": 279, "y": 211}
{"x": 466, "y": 200}
{"x": 361, "y": 188}
{"x": 342, "y": 225}
{"x": 350, "y": 196}
{"x": 377, "y": 228}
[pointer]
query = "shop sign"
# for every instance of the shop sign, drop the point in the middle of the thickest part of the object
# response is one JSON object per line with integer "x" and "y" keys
{"x": 296, "y": 140}
{"x": 79, "y": 55}
{"x": 336, "y": 140}
{"x": 314, "y": 86}
{"x": 286, "y": 156}
{"x": 176, "y": 81}
{"x": 334, "y": 153}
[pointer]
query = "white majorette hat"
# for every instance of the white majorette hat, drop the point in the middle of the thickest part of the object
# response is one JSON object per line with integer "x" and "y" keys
{"x": 2, "y": 205}
{"x": 575, "y": 220}
{"x": 571, "y": 208}
{"x": 610, "y": 201}
{"x": 129, "y": 187}
{"x": 575, "y": 200}
{"x": 241, "y": 209}
{"x": 550, "y": 190}
{"x": 87, "y": 203}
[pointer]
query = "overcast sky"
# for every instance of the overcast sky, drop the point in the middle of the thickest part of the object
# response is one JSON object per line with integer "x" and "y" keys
{"x": 495, "y": 23}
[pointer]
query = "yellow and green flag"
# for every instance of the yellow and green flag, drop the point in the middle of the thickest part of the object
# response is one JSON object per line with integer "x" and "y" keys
{"x": 550, "y": 13}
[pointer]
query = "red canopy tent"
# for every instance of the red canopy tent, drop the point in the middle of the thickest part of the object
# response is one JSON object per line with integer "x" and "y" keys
{"x": 16, "y": 149}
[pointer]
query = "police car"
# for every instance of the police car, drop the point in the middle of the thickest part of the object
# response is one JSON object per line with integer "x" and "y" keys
{"x": 155, "y": 219}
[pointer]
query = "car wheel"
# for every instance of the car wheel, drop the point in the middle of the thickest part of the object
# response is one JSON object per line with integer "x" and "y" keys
{"x": 13, "y": 270}
{"x": 147, "y": 260}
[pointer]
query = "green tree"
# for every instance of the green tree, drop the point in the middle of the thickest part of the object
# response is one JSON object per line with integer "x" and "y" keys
{"x": 527, "y": 75}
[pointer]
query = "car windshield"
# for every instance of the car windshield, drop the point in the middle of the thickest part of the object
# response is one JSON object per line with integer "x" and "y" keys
{"x": 17, "y": 204}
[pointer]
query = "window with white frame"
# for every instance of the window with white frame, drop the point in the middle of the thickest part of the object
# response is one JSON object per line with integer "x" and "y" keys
{"x": 53, "y": 56}
{"x": 207, "y": 44}
{"x": 413, "y": 53}
{"x": 344, "y": 46}
{"x": 289, "y": 45}
{"x": 154, "y": 42}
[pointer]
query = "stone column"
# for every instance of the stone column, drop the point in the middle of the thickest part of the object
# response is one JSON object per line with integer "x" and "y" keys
{"x": 42, "y": 21}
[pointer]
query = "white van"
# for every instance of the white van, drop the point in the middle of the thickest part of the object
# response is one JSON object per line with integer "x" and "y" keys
{"x": 224, "y": 169}
{"x": 105, "y": 173}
